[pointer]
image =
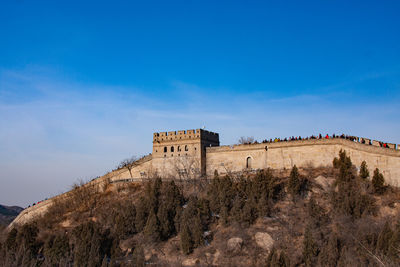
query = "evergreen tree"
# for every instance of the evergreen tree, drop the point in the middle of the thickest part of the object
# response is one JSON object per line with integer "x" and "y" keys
{"x": 330, "y": 253}
{"x": 394, "y": 244}
{"x": 26, "y": 238}
{"x": 316, "y": 214}
{"x": 186, "y": 240}
{"x": 378, "y": 182}
{"x": 249, "y": 213}
{"x": 171, "y": 199}
{"x": 276, "y": 259}
{"x": 349, "y": 198}
{"x": 310, "y": 249}
{"x": 384, "y": 238}
{"x": 196, "y": 230}
{"x": 142, "y": 212}
{"x": 56, "y": 248}
{"x": 125, "y": 221}
{"x": 152, "y": 228}
{"x": 294, "y": 185}
{"x": 364, "y": 173}
{"x": 138, "y": 257}
{"x": 11, "y": 240}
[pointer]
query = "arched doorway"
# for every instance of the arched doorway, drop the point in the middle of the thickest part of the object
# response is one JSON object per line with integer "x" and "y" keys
{"x": 248, "y": 162}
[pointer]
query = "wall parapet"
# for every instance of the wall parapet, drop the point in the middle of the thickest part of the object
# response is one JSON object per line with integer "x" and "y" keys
{"x": 308, "y": 142}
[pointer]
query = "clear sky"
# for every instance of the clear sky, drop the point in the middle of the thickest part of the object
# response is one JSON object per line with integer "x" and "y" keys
{"x": 84, "y": 84}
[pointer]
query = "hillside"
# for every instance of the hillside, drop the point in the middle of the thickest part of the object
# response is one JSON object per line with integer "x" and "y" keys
{"x": 8, "y": 214}
{"x": 327, "y": 216}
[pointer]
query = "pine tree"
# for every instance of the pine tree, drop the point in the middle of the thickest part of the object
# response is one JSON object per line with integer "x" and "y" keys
{"x": 196, "y": 230}
{"x": 142, "y": 212}
{"x": 330, "y": 253}
{"x": 186, "y": 240}
{"x": 249, "y": 213}
{"x": 384, "y": 238}
{"x": 294, "y": 185}
{"x": 394, "y": 244}
{"x": 138, "y": 256}
{"x": 364, "y": 173}
{"x": 310, "y": 249}
{"x": 276, "y": 259}
{"x": 152, "y": 228}
{"x": 378, "y": 182}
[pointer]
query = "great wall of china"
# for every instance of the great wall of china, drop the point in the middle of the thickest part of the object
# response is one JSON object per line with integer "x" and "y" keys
{"x": 193, "y": 153}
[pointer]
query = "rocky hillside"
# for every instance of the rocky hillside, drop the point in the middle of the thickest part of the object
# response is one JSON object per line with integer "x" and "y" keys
{"x": 8, "y": 214}
{"x": 336, "y": 216}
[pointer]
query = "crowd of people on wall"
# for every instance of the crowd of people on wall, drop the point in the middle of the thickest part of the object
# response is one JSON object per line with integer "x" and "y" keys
{"x": 327, "y": 136}
{"x": 34, "y": 204}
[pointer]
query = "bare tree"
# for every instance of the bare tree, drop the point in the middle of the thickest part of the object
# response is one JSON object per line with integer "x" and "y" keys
{"x": 187, "y": 167}
{"x": 246, "y": 140}
{"x": 128, "y": 163}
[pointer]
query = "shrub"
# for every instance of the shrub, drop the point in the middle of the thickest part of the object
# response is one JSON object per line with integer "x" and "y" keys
{"x": 56, "y": 249}
{"x": 378, "y": 182}
{"x": 364, "y": 173}
{"x": 186, "y": 240}
{"x": 90, "y": 244}
{"x": 138, "y": 257}
{"x": 349, "y": 198}
{"x": 343, "y": 161}
{"x": 194, "y": 221}
{"x": 277, "y": 259}
{"x": 310, "y": 248}
{"x": 125, "y": 221}
{"x": 142, "y": 212}
{"x": 316, "y": 214}
{"x": 384, "y": 238}
{"x": 152, "y": 228}
{"x": 297, "y": 185}
{"x": 170, "y": 199}
{"x": 330, "y": 253}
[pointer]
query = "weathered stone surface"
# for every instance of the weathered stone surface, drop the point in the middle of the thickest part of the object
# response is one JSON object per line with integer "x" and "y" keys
{"x": 324, "y": 182}
{"x": 190, "y": 262}
{"x": 264, "y": 240}
{"x": 235, "y": 243}
{"x": 213, "y": 257}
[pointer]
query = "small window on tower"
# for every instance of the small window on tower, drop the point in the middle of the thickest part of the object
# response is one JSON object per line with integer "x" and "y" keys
{"x": 186, "y": 148}
{"x": 172, "y": 149}
{"x": 165, "y": 149}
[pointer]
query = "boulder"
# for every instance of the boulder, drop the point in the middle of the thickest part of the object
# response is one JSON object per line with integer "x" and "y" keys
{"x": 324, "y": 182}
{"x": 264, "y": 240}
{"x": 190, "y": 262}
{"x": 235, "y": 244}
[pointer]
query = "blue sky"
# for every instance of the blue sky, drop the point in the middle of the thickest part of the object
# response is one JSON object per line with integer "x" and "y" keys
{"x": 84, "y": 85}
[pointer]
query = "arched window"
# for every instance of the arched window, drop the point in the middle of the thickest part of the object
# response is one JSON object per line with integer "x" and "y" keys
{"x": 186, "y": 148}
{"x": 248, "y": 163}
{"x": 165, "y": 149}
{"x": 179, "y": 148}
{"x": 172, "y": 149}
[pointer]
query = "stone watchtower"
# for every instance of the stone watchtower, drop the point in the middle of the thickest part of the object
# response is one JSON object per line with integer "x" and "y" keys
{"x": 169, "y": 148}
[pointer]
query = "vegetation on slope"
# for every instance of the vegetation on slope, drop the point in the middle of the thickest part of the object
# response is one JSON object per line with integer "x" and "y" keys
{"x": 300, "y": 217}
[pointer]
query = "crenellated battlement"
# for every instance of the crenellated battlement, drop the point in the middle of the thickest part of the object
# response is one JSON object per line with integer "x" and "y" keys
{"x": 192, "y": 134}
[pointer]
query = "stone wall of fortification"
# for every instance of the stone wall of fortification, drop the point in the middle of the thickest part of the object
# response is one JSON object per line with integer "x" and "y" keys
{"x": 306, "y": 153}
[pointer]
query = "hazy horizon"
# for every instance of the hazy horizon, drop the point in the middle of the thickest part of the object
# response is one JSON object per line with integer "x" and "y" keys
{"x": 84, "y": 85}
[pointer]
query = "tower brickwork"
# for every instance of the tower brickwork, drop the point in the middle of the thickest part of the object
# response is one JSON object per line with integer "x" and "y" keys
{"x": 178, "y": 146}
